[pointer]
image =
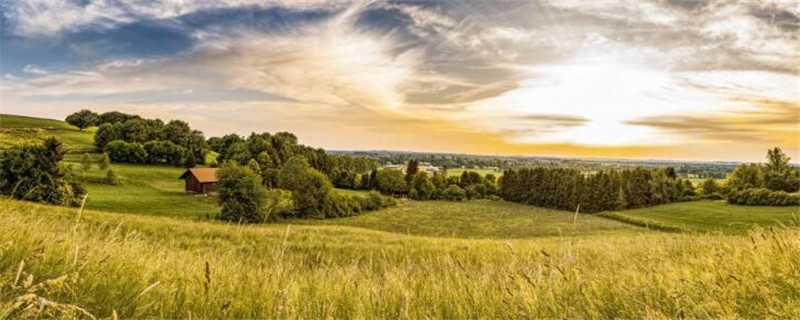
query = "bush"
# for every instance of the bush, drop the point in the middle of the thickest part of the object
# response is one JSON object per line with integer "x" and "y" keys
{"x": 454, "y": 193}
{"x": 763, "y": 197}
{"x": 121, "y": 151}
{"x": 241, "y": 195}
{"x": 111, "y": 178}
{"x": 32, "y": 173}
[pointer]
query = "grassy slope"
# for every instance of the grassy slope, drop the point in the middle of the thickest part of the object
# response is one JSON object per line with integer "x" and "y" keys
{"x": 479, "y": 219}
{"x": 715, "y": 216}
{"x": 147, "y": 190}
{"x": 18, "y": 130}
{"x": 139, "y": 267}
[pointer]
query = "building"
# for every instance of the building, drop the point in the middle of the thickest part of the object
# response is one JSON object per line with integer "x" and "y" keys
{"x": 200, "y": 180}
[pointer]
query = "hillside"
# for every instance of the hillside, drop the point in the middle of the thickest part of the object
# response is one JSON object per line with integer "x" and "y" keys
{"x": 138, "y": 267}
{"x": 715, "y": 216}
{"x": 18, "y": 130}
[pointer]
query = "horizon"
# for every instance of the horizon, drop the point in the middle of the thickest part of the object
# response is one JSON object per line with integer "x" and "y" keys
{"x": 653, "y": 80}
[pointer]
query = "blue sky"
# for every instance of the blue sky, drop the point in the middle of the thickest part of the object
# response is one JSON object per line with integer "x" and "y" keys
{"x": 689, "y": 79}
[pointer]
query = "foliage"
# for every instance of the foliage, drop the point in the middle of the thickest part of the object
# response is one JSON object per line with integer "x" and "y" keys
{"x": 778, "y": 175}
{"x": 83, "y": 119}
{"x": 104, "y": 161}
{"x": 242, "y": 196}
{"x": 173, "y": 143}
{"x": 710, "y": 189}
{"x": 454, "y": 193}
{"x": 111, "y": 177}
{"x": 311, "y": 190}
{"x": 130, "y": 152}
{"x": 86, "y": 162}
{"x": 391, "y": 181}
{"x": 567, "y": 189}
{"x": 32, "y": 173}
{"x": 763, "y": 197}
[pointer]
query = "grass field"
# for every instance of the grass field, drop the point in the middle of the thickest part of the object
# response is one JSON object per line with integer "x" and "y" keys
{"x": 19, "y": 130}
{"x": 480, "y": 219}
{"x": 716, "y": 216}
{"x": 132, "y": 266}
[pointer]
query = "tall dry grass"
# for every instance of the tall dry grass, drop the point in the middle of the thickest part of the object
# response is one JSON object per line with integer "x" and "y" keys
{"x": 133, "y": 267}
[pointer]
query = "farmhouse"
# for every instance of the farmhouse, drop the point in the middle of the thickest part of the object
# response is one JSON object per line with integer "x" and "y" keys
{"x": 200, "y": 180}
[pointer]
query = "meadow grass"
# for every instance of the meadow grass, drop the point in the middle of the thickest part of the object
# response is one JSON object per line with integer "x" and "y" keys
{"x": 128, "y": 266}
{"x": 19, "y": 130}
{"x": 714, "y": 216}
{"x": 479, "y": 219}
{"x": 146, "y": 190}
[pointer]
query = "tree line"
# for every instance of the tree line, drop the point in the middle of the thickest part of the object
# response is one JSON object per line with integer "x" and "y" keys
{"x": 132, "y": 139}
{"x": 569, "y": 189}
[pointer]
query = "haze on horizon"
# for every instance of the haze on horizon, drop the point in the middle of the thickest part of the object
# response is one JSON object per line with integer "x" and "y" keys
{"x": 656, "y": 79}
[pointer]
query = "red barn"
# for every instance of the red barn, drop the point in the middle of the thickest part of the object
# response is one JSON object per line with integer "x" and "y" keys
{"x": 200, "y": 180}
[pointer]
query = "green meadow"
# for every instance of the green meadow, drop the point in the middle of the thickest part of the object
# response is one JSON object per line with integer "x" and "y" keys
{"x": 145, "y": 249}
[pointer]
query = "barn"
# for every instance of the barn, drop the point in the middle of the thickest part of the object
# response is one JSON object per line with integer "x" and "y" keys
{"x": 200, "y": 180}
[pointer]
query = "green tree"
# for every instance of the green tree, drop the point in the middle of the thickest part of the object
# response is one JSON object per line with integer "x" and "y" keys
{"x": 111, "y": 177}
{"x": 83, "y": 119}
{"x": 86, "y": 162}
{"x": 710, "y": 187}
{"x": 411, "y": 169}
{"x": 104, "y": 162}
{"x": 454, "y": 193}
{"x": 32, "y": 173}
{"x": 746, "y": 176}
{"x": 422, "y": 187}
{"x": 778, "y": 174}
{"x": 242, "y": 196}
{"x": 391, "y": 181}
{"x": 311, "y": 190}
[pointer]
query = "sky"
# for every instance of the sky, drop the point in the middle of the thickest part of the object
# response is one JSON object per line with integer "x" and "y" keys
{"x": 648, "y": 79}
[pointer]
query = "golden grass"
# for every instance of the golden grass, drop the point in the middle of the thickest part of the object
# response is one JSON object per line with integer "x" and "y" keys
{"x": 134, "y": 266}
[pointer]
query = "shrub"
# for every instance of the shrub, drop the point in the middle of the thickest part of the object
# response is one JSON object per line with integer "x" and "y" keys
{"x": 763, "y": 197}
{"x": 111, "y": 178}
{"x": 241, "y": 195}
{"x": 121, "y": 151}
{"x": 32, "y": 173}
{"x": 454, "y": 193}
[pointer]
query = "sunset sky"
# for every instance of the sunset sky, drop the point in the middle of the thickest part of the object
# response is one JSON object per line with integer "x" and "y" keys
{"x": 660, "y": 79}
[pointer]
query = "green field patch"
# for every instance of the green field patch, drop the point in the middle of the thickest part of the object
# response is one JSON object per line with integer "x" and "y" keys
{"x": 16, "y": 131}
{"x": 480, "y": 219}
{"x": 715, "y": 216}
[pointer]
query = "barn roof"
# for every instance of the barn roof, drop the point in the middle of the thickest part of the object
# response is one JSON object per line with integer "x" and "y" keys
{"x": 203, "y": 175}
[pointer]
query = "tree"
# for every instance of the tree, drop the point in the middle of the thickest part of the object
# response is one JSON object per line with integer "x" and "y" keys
{"x": 778, "y": 174}
{"x": 710, "y": 188}
{"x": 391, "y": 181}
{"x": 454, "y": 193}
{"x": 241, "y": 194}
{"x": 83, "y": 119}
{"x": 32, "y": 173}
{"x": 111, "y": 177}
{"x": 86, "y": 162}
{"x": 104, "y": 162}
{"x": 311, "y": 190}
{"x": 422, "y": 186}
{"x": 746, "y": 176}
{"x": 411, "y": 169}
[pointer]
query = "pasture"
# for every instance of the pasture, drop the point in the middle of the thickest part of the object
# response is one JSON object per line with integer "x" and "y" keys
{"x": 715, "y": 216}
{"x": 128, "y": 266}
{"x": 480, "y": 219}
{"x": 19, "y": 130}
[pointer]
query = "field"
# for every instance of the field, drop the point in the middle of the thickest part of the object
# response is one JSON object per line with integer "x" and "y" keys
{"x": 19, "y": 130}
{"x": 138, "y": 266}
{"x": 146, "y": 249}
{"x": 716, "y": 216}
{"x": 480, "y": 219}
